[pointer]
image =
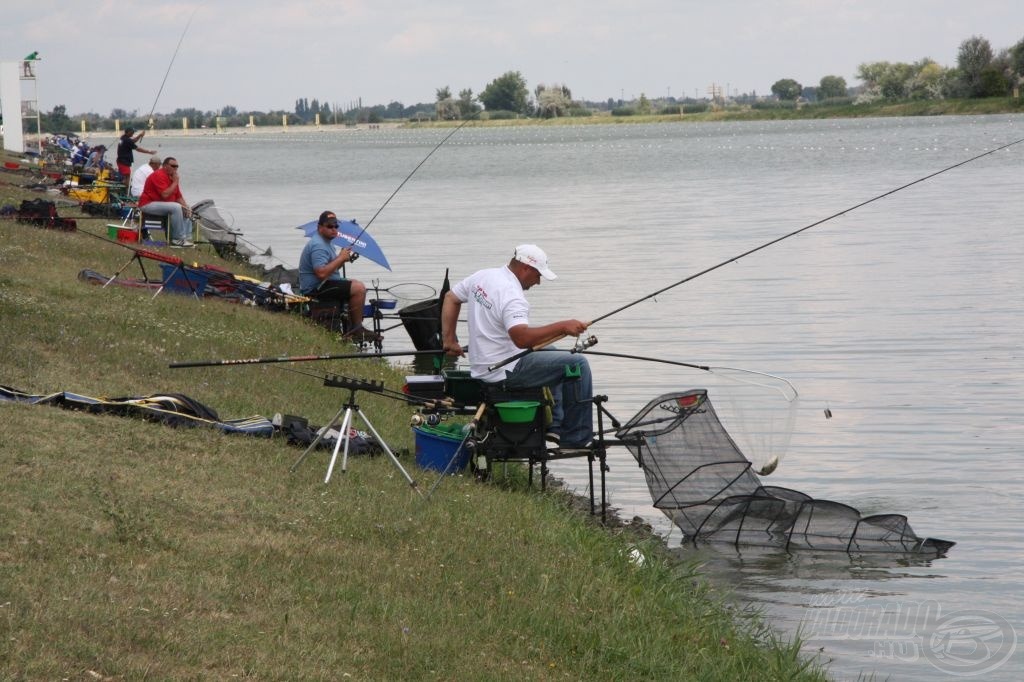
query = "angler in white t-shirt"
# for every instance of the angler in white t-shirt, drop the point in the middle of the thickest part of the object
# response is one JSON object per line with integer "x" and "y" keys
{"x": 499, "y": 327}
{"x": 143, "y": 172}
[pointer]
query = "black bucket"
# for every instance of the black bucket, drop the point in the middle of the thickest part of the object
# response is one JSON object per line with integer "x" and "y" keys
{"x": 423, "y": 323}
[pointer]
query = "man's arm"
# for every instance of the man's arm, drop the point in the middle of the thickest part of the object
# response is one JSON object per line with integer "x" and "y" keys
{"x": 450, "y": 309}
{"x": 324, "y": 271}
{"x": 525, "y": 336}
{"x": 168, "y": 191}
{"x": 137, "y": 139}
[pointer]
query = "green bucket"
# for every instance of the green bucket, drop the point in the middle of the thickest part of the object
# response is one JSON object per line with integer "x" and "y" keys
{"x": 517, "y": 411}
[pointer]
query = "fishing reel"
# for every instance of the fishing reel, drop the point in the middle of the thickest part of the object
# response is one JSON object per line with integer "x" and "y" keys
{"x": 583, "y": 343}
{"x": 433, "y": 412}
{"x": 420, "y": 419}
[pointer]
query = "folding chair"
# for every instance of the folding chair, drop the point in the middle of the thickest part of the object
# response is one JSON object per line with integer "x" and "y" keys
{"x": 148, "y": 222}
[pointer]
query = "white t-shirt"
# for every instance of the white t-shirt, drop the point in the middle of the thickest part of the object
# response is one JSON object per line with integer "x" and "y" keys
{"x": 496, "y": 303}
{"x": 139, "y": 179}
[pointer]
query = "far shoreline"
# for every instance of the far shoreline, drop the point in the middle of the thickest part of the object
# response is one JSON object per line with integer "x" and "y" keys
{"x": 951, "y": 107}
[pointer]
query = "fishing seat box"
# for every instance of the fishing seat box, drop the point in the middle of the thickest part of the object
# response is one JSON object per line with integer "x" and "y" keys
{"x": 461, "y": 387}
{"x": 424, "y": 386}
{"x": 514, "y": 440}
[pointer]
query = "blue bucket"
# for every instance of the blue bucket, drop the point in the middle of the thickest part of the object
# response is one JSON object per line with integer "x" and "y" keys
{"x": 435, "y": 448}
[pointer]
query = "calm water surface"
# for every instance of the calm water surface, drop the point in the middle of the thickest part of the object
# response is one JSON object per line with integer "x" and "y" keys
{"x": 904, "y": 317}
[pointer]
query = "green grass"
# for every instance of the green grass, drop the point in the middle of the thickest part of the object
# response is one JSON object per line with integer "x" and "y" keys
{"x": 130, "y": 550}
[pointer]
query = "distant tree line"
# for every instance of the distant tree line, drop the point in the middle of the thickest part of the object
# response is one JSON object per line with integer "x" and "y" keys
{"x": 980, "y": 72}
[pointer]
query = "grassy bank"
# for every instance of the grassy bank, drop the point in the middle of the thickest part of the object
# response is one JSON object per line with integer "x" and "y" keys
{"x": 129, "y": 550}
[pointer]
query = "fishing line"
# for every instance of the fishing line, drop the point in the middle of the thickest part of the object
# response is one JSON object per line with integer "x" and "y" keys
{"x": 803, "y": 229}
{"x": 790, "y": 394}
{"x": 173, "y": 57}
{"x": 413, "y": 172}
{"x": 594, "y": 321}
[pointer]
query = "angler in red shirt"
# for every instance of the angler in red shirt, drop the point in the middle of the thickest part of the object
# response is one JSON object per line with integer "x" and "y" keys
{"x": 161, "y": 195}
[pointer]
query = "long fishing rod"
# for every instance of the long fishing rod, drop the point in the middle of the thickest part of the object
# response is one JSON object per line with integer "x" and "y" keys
{"x": 173, "y": 57}
{"x": 790, "y": 395}
{"x": 302, "y": 358}
{"x": 594, "y": 321}
{"x": 413, "y": 172}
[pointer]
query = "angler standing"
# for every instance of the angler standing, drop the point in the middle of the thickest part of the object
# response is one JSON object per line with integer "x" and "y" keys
{"x": 161, "y": 195}
{"x": 499, "y": 326}
{"x": 125, "y": 149}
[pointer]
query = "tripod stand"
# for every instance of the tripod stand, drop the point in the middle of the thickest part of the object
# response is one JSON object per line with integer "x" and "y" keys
{"x": 346, "y": 415}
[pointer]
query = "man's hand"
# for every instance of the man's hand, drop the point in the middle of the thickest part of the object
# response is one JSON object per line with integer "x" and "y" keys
{"x": 453, "y": 349}
{"x": 573, "y": 327}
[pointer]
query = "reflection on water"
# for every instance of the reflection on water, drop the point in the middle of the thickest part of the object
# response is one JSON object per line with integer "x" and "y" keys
{"x": 747, "y": 567}
{"x": 905, "y": 317}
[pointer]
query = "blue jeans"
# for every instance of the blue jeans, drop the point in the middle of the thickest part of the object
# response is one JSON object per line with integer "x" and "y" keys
{"x": 572, "y": 414}
{"x": 178, "y": 230}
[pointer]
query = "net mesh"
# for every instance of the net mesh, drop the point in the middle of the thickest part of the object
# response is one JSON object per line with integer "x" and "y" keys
{"x": 699, "y": 477}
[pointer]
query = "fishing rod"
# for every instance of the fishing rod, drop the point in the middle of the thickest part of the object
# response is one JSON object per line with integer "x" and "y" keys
{"x": 790, "y": 395}
{"x": 302, "y": 358}
{"x": 527, "y": 351}
{"x": 141, "y": 253}
{"x": 413, "y": 172}
{"x": 173, "y": 57}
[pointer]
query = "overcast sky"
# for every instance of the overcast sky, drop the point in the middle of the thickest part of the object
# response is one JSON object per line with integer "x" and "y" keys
{"x": 258, "y": 55}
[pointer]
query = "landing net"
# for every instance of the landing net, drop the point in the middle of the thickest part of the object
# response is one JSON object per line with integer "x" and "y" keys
{"x": 699, "y": 477}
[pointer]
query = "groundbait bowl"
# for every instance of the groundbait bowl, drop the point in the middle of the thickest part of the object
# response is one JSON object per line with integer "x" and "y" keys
{"x": 517, "y": 411}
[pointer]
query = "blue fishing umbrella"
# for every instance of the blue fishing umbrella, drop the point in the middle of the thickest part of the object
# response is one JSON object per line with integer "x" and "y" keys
{"x": 351, "y": 235}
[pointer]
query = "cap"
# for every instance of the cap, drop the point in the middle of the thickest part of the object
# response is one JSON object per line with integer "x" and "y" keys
{"x": 129, "y": 130}
{"x": 532, "y": 255}
{"x": 327, "y": 218}
{"x": 156, "y": 159}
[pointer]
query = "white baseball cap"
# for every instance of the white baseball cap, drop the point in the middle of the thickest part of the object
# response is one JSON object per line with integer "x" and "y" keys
{"x": 532, "y": 255}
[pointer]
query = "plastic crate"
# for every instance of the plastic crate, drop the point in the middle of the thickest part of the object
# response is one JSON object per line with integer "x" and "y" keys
{"x": 435, "y": 448}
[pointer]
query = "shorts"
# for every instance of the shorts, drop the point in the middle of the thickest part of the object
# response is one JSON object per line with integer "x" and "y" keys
{"x": 336, "y": 290}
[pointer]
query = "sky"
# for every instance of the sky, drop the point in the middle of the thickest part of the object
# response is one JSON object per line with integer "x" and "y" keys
{"x": 257, "y": 55}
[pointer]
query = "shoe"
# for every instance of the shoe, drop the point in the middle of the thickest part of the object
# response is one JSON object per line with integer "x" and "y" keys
{"x": 182, "y": 244}
{"x": 362, "y": 334}
{"x": 552, "y": 437}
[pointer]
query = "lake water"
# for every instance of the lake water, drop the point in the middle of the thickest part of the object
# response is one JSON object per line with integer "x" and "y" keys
{"x": 904, "y": 317}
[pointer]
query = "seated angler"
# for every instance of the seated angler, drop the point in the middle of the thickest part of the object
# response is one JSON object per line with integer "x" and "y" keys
{"x": 141, "y": 173}
{"x": 161, "y": 195}
{"x": 319, "y": 276}
{"x": 499, "y": 328}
